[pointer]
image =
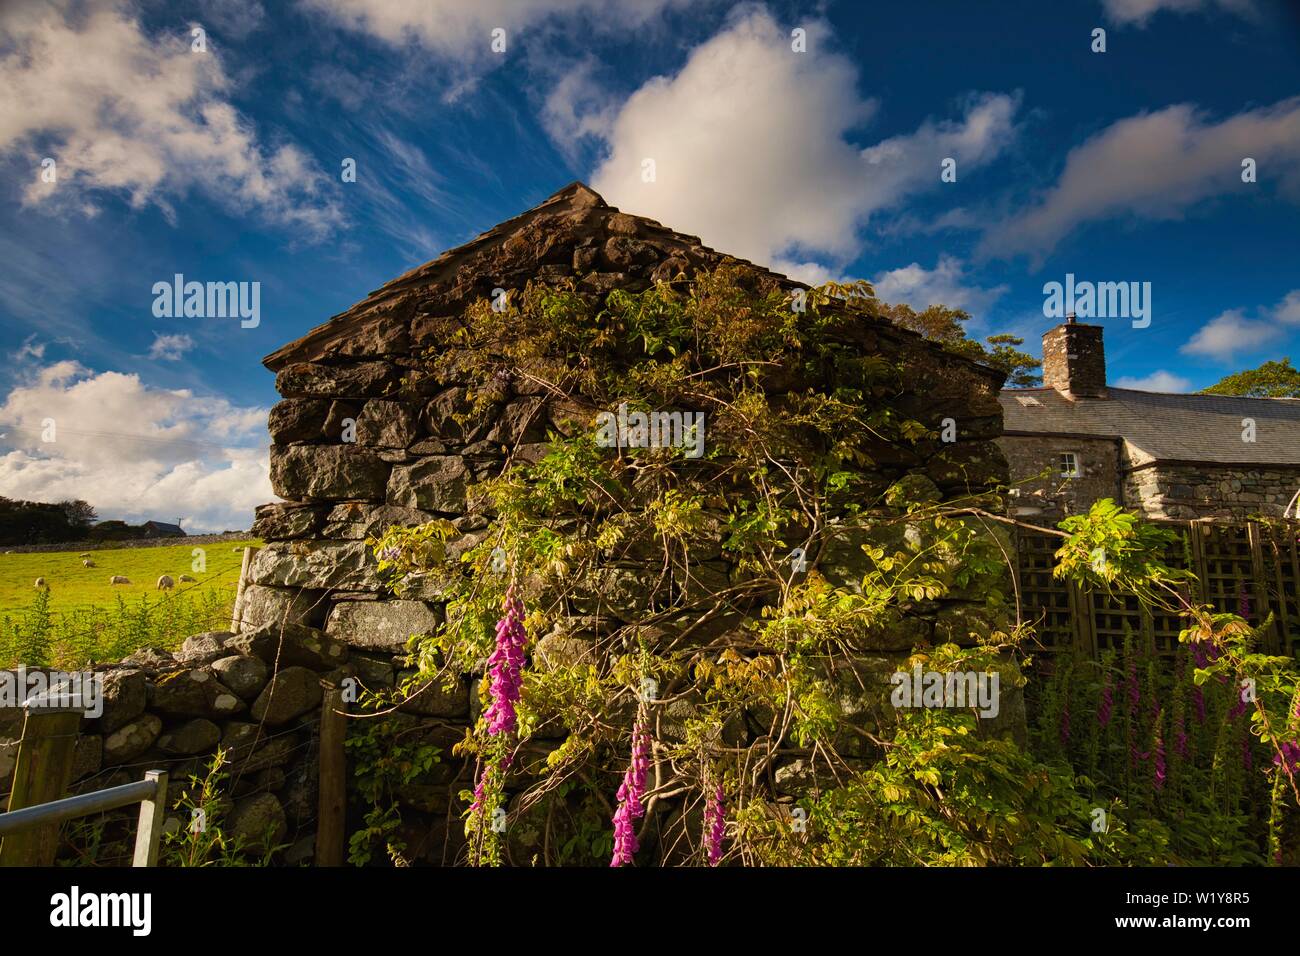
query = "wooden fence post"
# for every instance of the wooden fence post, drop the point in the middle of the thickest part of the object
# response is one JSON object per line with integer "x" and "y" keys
{"x": 330, "y": 815}
{"x": 41, "y": 774}
{"x": 149, "y": 829}
{"x": 245, "y": 566}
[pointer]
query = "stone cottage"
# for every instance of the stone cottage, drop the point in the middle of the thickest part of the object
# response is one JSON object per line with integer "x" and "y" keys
{"x": 1170, "y": 456}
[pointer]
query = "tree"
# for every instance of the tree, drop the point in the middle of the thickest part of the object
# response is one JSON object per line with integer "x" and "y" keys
{"x": 945, "y": 326}
{"x": 1270, "y": 380}
{"x": 80, "y": 513}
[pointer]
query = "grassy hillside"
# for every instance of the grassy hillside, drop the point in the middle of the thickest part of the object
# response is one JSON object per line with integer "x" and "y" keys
{"x": 83, "y": 619}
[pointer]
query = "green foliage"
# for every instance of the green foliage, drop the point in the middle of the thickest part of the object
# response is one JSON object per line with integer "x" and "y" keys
{"x": 1273, "y": 379}
{"x": 387, "y": 754}
{"x": 208, "y": 844}
{"x": 947, "y": 327}
{"x": 754, "y": 666}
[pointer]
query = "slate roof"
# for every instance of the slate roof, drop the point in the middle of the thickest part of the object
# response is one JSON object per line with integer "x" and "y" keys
{"x": 546, "y": 233}
{"x": 1162, "y": 426}
{"x": 573, "y": 233}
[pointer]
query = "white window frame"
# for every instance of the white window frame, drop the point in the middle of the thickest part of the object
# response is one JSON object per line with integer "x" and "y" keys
{"x": 1076, "y": 471}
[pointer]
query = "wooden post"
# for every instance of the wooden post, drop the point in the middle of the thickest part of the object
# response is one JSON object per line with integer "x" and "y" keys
{"x": 245, "y": 566}
{"x": 1259, "y": 587}
{"x": 41, "y": 774}
{"x": 330, "y": 822}
{"x": 149, "y": 830}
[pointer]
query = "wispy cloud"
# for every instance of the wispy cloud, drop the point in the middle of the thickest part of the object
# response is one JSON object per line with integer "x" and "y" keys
{"x": 1138, "y": 12}
{"x": 1157, "y": 166}
{"x": 143, "y": 116}
{"x": 1230, "y": 333}
{"x": 946, "y": 284}
{"x": 1157, "y": 381}
{"x": 170, "y": 348}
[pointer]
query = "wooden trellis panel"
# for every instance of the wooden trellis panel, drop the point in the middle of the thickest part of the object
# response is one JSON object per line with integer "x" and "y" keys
{"x": 1239, "y": 566}
{"x": 1044, "y": 599}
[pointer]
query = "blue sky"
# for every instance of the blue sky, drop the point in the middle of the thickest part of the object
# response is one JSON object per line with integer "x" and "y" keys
{"x": 223, "y": 164}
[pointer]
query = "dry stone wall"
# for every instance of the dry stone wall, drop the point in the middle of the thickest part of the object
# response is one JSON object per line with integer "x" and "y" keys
{"x": 256, "y": 694}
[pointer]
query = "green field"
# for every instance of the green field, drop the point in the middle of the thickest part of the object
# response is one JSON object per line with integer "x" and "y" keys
{"x": 83, "y": 619}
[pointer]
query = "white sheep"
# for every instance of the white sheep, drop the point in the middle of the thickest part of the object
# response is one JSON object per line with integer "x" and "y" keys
{"x": 87, "y": 563}
{"x": 165, "y": 583}
{"x": 119, "y": 579}
{"x": 40, "y": 583}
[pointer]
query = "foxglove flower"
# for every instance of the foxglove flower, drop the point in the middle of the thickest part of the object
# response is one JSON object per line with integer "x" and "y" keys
{"x": 630, "y": 793}
{"x": 1159, "y": 762}
{"x": 1289, "y": 757}
{"x": 715, "y": 825}
{"x": 506, "y": 667}
{"x": 1107, "y": 703}
{"x": 1065, "y": 724}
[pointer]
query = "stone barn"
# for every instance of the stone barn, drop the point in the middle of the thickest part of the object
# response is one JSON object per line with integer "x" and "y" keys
{"x": 410, "y": 462}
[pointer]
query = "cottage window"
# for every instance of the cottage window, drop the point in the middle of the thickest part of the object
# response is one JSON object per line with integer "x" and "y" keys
{"x": 1069, "y": 464}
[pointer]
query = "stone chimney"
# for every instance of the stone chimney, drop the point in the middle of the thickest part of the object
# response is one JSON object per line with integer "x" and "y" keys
{"x": 1074, "y": 361}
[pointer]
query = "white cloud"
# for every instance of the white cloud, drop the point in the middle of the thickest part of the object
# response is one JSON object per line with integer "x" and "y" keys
{"x": 133, "y": 451}
{"x": 1157, "y": 166}
{"x": 1140, "y": 11}
{"x": 463, "y": 28}
{"x": 30, "y": 349}
{"x": 170, "y": 348}
{"x": 1229, "y": 333}
{"x": 945, "y": 284}
{"x": 749, "y": 142}
{"x": 577, "y": 107}
{"x": 143, "y": 116}
{"x": 1288, "y": 310}
{"x": 1157, "y": 381}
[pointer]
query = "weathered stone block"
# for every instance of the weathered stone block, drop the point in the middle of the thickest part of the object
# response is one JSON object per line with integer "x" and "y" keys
{"x": 193, "y": 693}
{"x": 125, "y": 694}
{"x": 381, "y": 625}
{"x": 246, "y": 676}
{"x": 297, "y": 420}
{"x": 291, "y": 693}
{"x": 327, "y": 471}
{"x": 431, "y": 484}
{"x": 131, "y": 740}
{"x": 290, "y": 645}
{"x": 355, "y": 380}
{"x": 192, "y": 737}
{"x": 316, "y": 564}
{"x": 260, "y": 605}
{"x": 384, "y": 424}
{"x": 282, "y": 522}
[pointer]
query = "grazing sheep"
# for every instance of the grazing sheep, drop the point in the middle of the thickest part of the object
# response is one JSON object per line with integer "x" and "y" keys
{"x": 87, "y": 563}
{"x": 187, "y": 577}
{"x": 84, "y": 554}
{"x": 40, "y": 583}
{"x": 119, "y": 579}
{"x": 165, "y": 583}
